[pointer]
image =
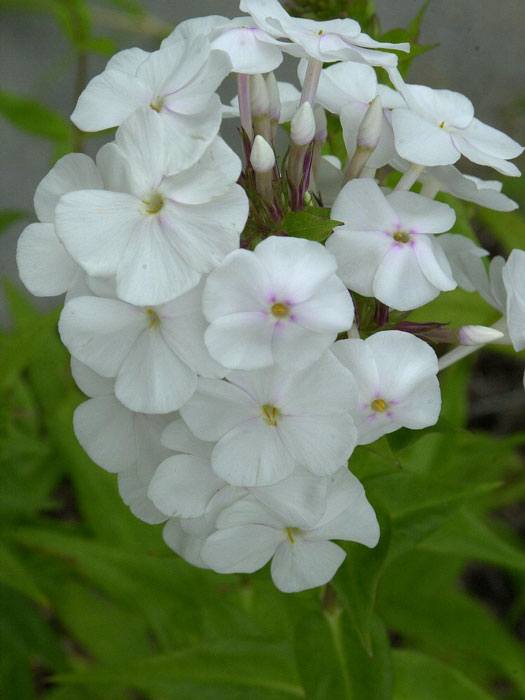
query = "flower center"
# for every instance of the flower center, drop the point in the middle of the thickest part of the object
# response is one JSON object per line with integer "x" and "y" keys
{"x": 271, "y": 414}
{"x": 153, "y": 318}
{"x": 291, "y": 533}
{"x": 401, "y": 237}
{"x": 157, "y": 104}
{"x": 154, "y": 204}
{"x": 280, "y": 310}
{"x": 379, "y": 405}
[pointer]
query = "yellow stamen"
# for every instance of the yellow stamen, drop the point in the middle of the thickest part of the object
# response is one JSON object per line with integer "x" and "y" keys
{"x": 271, "y": 414}
{"x": 442, "y": 125}
{"x": 153, "y": 318}
{"x": 157, "y": 104}
{"x": 291, "y": 533}
{"x": 379, "y": 405}
{"x": 154, "y": 204}
{"x": 401, "y": 237}
{"x": 280, "y": 310}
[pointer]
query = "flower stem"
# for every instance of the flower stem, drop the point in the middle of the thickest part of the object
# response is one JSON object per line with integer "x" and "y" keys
{"x": 409, "y": 177}
{"x": 311, "y": 81}
{"x": 245, "y": 110}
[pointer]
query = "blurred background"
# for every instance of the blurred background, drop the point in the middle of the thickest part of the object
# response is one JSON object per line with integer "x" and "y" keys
{"x": 93, "y": 606}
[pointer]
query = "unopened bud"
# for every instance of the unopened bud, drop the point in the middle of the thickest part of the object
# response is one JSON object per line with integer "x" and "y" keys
{"x": 303, "y": 125}
{"x": 370, "y": 129}
{"x": 273, "y": 96}
{"x": 262, "y": 156}
{"x": 321, "y": 127}
{"x": 478, "y": 335}
{"x": 259, "y": 99}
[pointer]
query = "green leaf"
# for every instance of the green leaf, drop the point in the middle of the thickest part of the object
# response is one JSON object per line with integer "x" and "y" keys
{"x": 258, "y": 670}
{"x": 14, "y": 574}
{"x": 301, "y": 224}
{"x": 466, "y": 535}
{"x": 332, "y": 662}
{"x": 357, "y": 581}
{"x": 508, "y": 228}
{"x": 11, "y": 216}
{"x": 420, "y": 676}
{"x": 35, "y": 118}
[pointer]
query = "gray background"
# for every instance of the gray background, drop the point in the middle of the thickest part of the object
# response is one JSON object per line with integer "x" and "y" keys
{"x": 480, "y": 54}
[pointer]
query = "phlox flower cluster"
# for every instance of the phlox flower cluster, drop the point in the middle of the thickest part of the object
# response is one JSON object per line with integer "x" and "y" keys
{"x": 232, "y": 361}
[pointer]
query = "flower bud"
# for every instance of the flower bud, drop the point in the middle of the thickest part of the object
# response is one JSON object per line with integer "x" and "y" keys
{"x": 303, "y": 125}
{"x": 259, "y": 98}
{"x": 262, "y": 156}
{"x": 370, "y": 129}
{"x": 273, "y": 96}
{"x": 321, "y": 127}
{"x": 478, "y": 335}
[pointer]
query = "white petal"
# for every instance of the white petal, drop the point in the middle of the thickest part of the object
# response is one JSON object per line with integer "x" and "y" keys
{"x": 152, "y": 378}
{"x": 399, "y": 281}
{"x": 247, "y": 52}
{"x": 295, "y": 347}
{"x": 201, "y": 245}
{"x": 320, "y": 443}
{"x": 421, "y": 214}
{"x": 100, "y": 332}
{"x": 151, "y": 271}
{"x": 184, "y": 544}
{"x": 249, "y": 511}
{"x": 296, "y": 267}
{"x": 128, "y": 60}
{"x": 178, "y": 437}
{"x": 75, "y": 171}
{"x": 216, "y": 408}
{"x": 95, "y": 226}
{"x": 358, "y": 255}
{"x": 439, "y": 106}
{"x": 241, "y": 549}
{"x": 104, "y": 428}
{"x": 330, "y": 309}
{"x": 513, "y": 275}
{"x": 44, "y": 265}
{"x": 134, "y": 494}
{"x": 419, "y": 141}
{"x": 357, "y": 357}
{"x": 399, "y": 378}
{"x": 189, "y": 135}
{"x": 433, "y": 263}
{"x": 470, "y": 151}
{"x": 183, "y": 486}
{"x": 302, "y": 565}
{"x": 363, "y": 207}
{"x": 211, "y": 176}
{"x": 108, "y": 99}
{"x": 252, "y": 454}
{"x": 491, "y": 141}
{"x": 241, "y": 340}
{"x": 422, "y": 407}
{"x": 89, "y": 382}
{"x": 299, "y": 500}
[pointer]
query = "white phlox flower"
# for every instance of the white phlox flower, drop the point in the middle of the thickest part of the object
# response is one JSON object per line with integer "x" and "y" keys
{"x": 332, "y": 40}
{"x": 150, "y": 227}
{"x": 513, "y": 275}
{"x": 250, "y": 49}
{"x": 154, "y": 352}
{"x": 396, "y": 378}
{"x": 386, "y": 247}
{"x": 466, "y": 262}
{"x": 177, "y": 82}
{"x": 437, "y": 127}
{"x": 119, "y": 440}
{"x": 44, "y": 265}
{"x": 302, "y": 554}
{"x": 268, "y": 422}
{"x": 282, "y": 303}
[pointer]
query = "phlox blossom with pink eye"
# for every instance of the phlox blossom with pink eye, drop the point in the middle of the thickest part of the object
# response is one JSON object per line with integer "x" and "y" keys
{"x": 282, "y": 303}
{"x": 332, "y": 40}
{"x": 268, "y": 422}
{"x": 153, "y": 352}
{"x": 249, "y": 535}
{"x": 396, "y": 379}
{"x": 150, "y": 226}
{"x": 177, "y": 82}
{"x": 437, "y": 127}
{"x": 386, "y": 246}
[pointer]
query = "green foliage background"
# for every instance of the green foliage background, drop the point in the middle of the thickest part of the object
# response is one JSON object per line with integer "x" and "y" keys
{"x": 94, "y": 606}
